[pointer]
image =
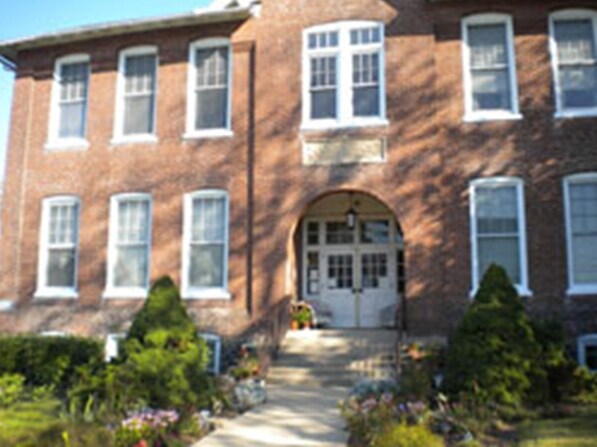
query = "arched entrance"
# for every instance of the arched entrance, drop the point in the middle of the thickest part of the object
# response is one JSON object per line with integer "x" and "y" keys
{"x": 352, "y": 259}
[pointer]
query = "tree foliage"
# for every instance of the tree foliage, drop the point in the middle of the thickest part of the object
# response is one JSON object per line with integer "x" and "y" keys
{"x": 492, "y": 354}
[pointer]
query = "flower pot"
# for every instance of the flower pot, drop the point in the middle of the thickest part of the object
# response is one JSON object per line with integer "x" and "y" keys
{"x": 294, "y": 325}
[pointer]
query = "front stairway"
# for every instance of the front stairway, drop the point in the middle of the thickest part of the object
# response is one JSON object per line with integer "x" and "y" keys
{"x": 334, "y": 357}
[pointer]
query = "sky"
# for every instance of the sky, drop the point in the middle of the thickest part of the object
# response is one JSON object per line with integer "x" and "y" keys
{"x": 22, "y": 18}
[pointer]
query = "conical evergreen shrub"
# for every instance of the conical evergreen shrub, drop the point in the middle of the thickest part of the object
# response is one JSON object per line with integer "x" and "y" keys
{"x": 164, "y": 358}
{"x": 492, "y": 352}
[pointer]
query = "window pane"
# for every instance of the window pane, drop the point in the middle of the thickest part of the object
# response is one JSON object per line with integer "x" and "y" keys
{"x": 138, "y": 115}
{"x": 323, "y": 104}
{"x": 375, "y": 232}
{"x": 61, "y": 267}
{"x": 501, "y": 251}
{"x": 574, "y": 40}
{"x": 131, "y": 268}
{"x": 212, "y": 67}
{"x": 497, "y": 210}
{"x": 340, "y": 272}
{"x": 63, "y": 224}
{"x": 212, "y": 109}
{"x": 583, "y": 215}
{"x": 591, "y": 357}
{"x": 491, "y": 90}
{"x": 208, "y": 221}
{"x": 313, "y": 233}
{"x": 133, "y": 221}
{"x": 487, "y": 45}
{"x": 338, "y": 233}
{"x": 579, "y": 86}
{"x": 73, "y": 81}
{"x": 366, "y": 101}
{"x": 207, "y": 265}
{"x": 374, "y": 268}
{"x": 139, "y": 72}
{"x": 72, "y": 120}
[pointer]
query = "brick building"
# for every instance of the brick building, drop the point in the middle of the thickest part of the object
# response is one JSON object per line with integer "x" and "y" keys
{"x": 371, "y": 155}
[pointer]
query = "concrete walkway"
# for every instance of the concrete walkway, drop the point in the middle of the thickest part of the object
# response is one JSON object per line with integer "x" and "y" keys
{"x": 293, "y": 417}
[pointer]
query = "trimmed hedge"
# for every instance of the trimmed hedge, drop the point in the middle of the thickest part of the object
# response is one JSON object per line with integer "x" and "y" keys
{"x": 47, "y": 361}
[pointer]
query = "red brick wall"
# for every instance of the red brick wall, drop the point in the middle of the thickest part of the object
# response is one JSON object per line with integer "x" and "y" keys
{"x": 432, "y": 156}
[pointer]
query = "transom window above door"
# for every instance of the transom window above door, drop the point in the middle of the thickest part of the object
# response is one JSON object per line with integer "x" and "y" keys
{"x": 343, "y": 75}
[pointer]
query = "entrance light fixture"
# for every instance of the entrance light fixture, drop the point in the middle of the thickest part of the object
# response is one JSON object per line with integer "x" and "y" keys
{"x": 351, "y": 214}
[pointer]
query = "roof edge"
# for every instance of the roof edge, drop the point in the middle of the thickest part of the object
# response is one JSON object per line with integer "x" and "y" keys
{"x": 9, "y": 49}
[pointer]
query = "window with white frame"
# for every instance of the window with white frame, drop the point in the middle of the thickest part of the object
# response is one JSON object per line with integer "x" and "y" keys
{"x": 129, "y": 246}
{"x": 136, "y": 94}
{"x": 209, "y": 89}
{"x": 498, "y": 229}
{"x": 68, "y": 118}
{"x": 574, "y": 58}
{"x": 343, "y": 75}
{"x": 587, "y": 351}
{"x": 490, "y": 85}
{"x": 57, "y": 270}
{"x": 580, "y": 196}
{"x": 214, "y": 343}
{"x": 205, "y": 253}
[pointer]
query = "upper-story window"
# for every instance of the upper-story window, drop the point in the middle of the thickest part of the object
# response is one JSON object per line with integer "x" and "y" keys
{"x": 58, "y": 248}
{"x": 209, "y": 89}
{"x": 574, "y": 57}
{"x": 580, "y": 193}
{"x": 490, "y": 86}
{"x": 498, "y": 229}
{"x": 343, "y": 75}
{"x": 136, "y": 95}
{"x": 205, "y": 245}
{"x": 129, "y": 246}
{"x": 68, "y": 116}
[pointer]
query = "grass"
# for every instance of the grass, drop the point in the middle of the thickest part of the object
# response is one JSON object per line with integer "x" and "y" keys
{"x": 38, "y": 424}
{"x": 578, "y": 430}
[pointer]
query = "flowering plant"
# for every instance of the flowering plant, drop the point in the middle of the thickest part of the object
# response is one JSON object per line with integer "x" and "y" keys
{"x": 146, "y": 428}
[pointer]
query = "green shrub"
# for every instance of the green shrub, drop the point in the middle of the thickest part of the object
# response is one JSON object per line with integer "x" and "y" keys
{"x": 11, "y": 389}
{"x": 403, "y": 435}
{"x": 493, "y": 351}
{"x": 47, "y": 361}
{"x": 164, "y": 358}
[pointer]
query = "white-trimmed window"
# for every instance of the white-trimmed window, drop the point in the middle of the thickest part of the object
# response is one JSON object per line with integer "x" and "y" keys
{"x": 135, "y": 118}
{"x": 58, "y": 252}
{"x": 490, "y": 85}
{"x": 344, "y": 75}
{"x": 209, "y": 89}
{"x": 214, "y": 343}
{"x": 205, "y": 239}
{"x": 580, "y": 203}
{"x": 498, "y": 229}
{"x": 573, "y": 42}
{"x": 129, "y": 246}
{"x": 68, "y": 114}
{"x": 587, "y": 351}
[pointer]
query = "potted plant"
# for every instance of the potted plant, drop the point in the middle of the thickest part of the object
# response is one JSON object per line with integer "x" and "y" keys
{"x": 303, "y": 317}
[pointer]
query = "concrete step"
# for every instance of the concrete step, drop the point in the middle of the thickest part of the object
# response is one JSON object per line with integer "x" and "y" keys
{"x": 334, "y": 357}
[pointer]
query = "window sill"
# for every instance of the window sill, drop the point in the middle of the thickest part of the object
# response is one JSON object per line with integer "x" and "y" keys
{"x": 134, "y": 139}
{"x": 49, "y": 294}
{"x": 125, "y": 293}
{"x": 206, "y": 294}
{"x": 204, "y": 134}
{"x": 336, "y": 125}
{"x": 491, "y": 116}
{"x": 69, "y": 144}
{"x": 587, "y": 113}
{"x": 582, "y": 290}
{"x": 523, "y": 292}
